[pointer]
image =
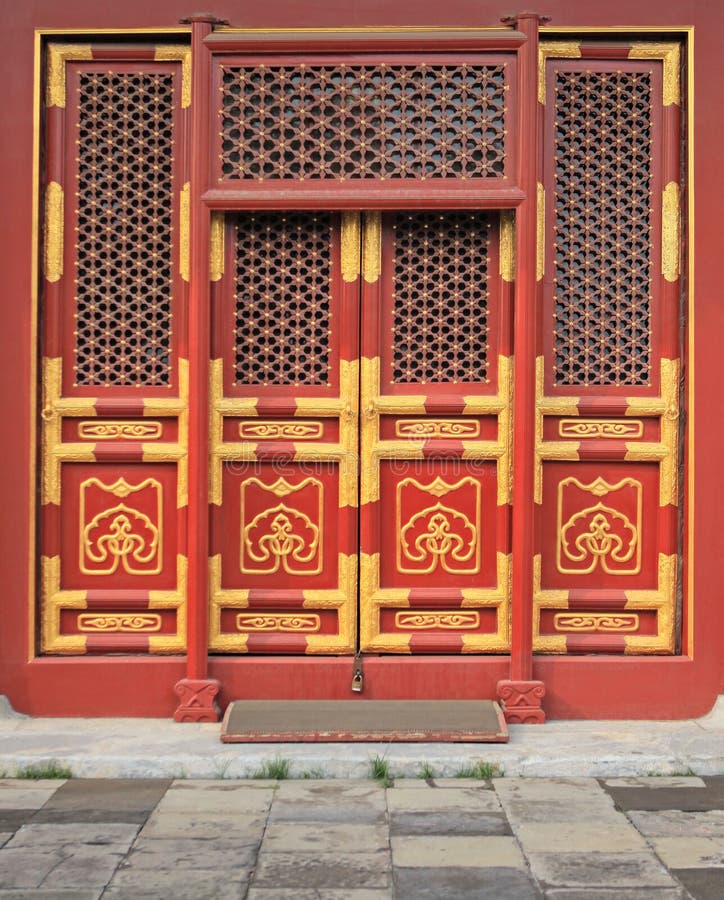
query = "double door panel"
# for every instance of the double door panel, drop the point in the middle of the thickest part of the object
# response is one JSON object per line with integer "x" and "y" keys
{"x": 359, "y": 475}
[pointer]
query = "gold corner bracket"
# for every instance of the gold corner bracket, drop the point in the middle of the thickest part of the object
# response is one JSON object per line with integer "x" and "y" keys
{"x": 182, "y": 54}
{"x": 58, "y": 56}
{"x": 554, "y": 50}
{"x": 670, "y": 55}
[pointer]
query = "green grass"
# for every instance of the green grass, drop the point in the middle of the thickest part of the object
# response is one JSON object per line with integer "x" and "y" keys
{"x": 50, "y": 769}
{"x": 482, "y": 770}
{"x": 278, "y": 769}
{"x": 426, "y": 771}
{"x": 380, "y": 770}
{"x": 315, "y": 773}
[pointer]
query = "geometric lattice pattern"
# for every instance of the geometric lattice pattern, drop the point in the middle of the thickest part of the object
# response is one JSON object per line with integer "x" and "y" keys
{"x": 282, "y": 315}
{"x": 124, "y": 231}
{"x": 602, "y": 228}
{"x": 440, "y": 308}
{"x": 362, "y": 121}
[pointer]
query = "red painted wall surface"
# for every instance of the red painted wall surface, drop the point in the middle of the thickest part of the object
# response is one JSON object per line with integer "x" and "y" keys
{"x": 591, "y": 687}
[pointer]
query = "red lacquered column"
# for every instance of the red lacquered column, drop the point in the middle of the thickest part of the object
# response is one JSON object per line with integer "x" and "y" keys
{"x": 520, "y": 694}
{"x": 197, "y": 692}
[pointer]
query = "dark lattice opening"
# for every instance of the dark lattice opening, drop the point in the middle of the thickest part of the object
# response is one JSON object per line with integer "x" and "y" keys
{"x": 440, "y": 299}
{"x": 124, "y": 231}
{"x": 363, "y": 121}
{"x": 602, "y": 228}
{"x": 282, "y": 313}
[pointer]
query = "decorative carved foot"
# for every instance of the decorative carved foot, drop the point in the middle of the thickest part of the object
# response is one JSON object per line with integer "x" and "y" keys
{"x": 197, "y": 700}
{"x": 521, "y": 701}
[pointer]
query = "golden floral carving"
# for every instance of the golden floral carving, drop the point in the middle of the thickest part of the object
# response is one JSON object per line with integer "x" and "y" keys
{"x": 134, "y": 430}
{"x": 119, "y": 622}
{"x": 600, "y": 428}
{"x": 294, "y": 622}
{"x": 419, "y": 620}
{"x": 590, "y": 623}
{"x": 437, "y": 428}
{"x": 280, "y": 430}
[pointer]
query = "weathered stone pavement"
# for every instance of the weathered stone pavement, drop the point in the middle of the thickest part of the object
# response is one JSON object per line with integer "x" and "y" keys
{"x": 558, "y": 838}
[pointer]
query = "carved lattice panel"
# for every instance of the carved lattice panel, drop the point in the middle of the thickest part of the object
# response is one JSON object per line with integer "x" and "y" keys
{"x": 603, "y": 227}
{"x": 440, "y": 297}
{"x": 123, "y": 271}
{"x": 282, "y": 315}
{"x": 307, "y": 121}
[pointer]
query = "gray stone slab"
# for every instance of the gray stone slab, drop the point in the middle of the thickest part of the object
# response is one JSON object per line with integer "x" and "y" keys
{"x": 323, "y": 870}
{"x": 674, "y": 822}
{"x": 188, "y": 853}
{"x": 685, "y": 852}
{"x": 539, "y": 789}
{"x": 220, "y": 827}
{"x": 479, "y": 783}
{"x": 617, "y": 894}
{"x": 26, "y": 867}
{"x": 438, "y": 851}
{"x": 304, "y": 811}
{"x": 429, "y": 799}
{"x": 85, "y": 867}
{"x": 112, "y": 795}
{"x": 182, "y": 884}
{"x": 74, "y": 835}
{"x": 5, "y": 837}
{"x": 702, "y": 884}
{"x": 655, "y": 782}
{"x": 288, "y": 837}
{"x": 228, "y": 797}
{"x": 579, "y": 837}
{"x": 23, "y": 794}
{"x": 695, "y": 799}
{"x": 537, "y": 811}
{"x": 90, "y": 816}
{"x": 451, "y": 883}
{"x": 318, "y": 894}
{"x": 611, "y": 870}
{"x": 343, "y": 802}
{"x": 12, "y": 819}
{"x": 50, "y": 894}
{"x": 448, "y": 823}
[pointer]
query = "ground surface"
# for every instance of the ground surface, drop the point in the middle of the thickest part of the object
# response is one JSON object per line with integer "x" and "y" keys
{"x": 558, "y": 838}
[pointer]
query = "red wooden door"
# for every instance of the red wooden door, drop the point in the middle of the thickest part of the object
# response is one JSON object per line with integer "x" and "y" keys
{"x": 283, "y": 478}
{"x": 435, "y": 447}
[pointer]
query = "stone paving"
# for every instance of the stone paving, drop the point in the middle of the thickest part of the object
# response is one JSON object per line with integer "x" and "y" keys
{"x": 558, "y": 838}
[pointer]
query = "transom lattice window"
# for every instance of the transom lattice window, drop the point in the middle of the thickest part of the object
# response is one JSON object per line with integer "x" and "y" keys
{"x": 603, "y": 228}
{"x": 440, "y": 328}
{"x": 282, "y": 315}
{"x": 363, "y": 121}
{"x": 124, "y": 230}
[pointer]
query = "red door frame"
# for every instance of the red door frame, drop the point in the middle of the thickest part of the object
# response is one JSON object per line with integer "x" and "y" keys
{"x": 576, "y": 686}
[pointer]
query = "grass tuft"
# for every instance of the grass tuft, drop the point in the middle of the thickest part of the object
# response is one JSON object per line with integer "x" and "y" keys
{"x": 316, "y": 773}
{"x": 380, "y": 770}
{"x": 481, "y": 770}
{"x": 426, "y": 771}
{"x": 37, "y": 771}
{"x": 278, "y": 769}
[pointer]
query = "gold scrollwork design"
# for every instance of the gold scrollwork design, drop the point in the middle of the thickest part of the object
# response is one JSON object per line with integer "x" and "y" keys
{"x": 596, "y": 622}
{"x": 437, "y": 428}
{"x": 121, "y": 534}
{"x": 119, "y": 431}
{"x": 599, "y": 534}
{"x": 280, "y": 430}
{"x": 420, "y": 620}
{"x": 438, "y": 535}
{"x": 281, "y": 536}
{"x": 130, "y": 623}
{"x": 601, "y": 428}
{"x": 294, "y": 622}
